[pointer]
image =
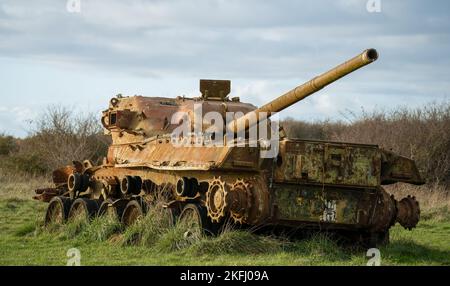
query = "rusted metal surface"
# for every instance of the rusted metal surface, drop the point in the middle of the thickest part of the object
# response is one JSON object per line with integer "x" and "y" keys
{"x": 161, "y": 154}
{"x": 151, "y": 116}
{"x": 245, "y": 201}
{"x": 60, "y": 175}
{"x": 399, "y": 169}
{"x": 46, "y": 194}
{"x": 310, "y": 184}
{"x": 317, "y": 204}
{"x": 215, "y": 89}
{"x": 316, "y": 162}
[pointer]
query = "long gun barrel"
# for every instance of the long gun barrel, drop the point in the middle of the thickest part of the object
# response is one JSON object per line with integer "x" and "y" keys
{"x": 304, "y": 90}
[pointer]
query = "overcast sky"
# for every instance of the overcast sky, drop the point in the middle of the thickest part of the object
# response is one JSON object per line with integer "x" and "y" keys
{"x": 49, "y": 55}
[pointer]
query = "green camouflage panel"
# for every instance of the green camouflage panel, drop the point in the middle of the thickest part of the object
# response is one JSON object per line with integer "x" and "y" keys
{"x": 323, "y": 204}
{"x": 329, "y": 163}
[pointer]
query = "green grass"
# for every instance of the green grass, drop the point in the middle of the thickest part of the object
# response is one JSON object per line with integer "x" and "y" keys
{"x": 23, "y": 241}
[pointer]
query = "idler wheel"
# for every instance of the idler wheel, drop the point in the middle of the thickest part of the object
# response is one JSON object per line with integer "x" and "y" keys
{"x": 83, "y": 209}
{"x": 134, "y": 211}
{"x": 408, "y": 212}
{"x": 57, "y": 210}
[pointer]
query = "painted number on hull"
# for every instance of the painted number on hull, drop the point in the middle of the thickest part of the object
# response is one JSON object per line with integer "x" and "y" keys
{"x": 329, "y": 212}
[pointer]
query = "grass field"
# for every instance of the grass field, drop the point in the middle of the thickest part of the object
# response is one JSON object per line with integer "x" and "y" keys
{"x": 23, "y": 240}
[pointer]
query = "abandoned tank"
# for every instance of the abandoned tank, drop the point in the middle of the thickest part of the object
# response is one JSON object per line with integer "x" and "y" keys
{"x": 214, "y": 173}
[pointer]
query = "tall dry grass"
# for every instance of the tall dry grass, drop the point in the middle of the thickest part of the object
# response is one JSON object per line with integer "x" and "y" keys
{"x": 434, "y": 199}
{"x": 21, "y": 186}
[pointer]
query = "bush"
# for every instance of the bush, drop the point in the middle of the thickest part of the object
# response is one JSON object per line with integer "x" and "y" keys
{"x": 319, "y": 130}
{"x": 59, "y": 136}
{"x": 7, "y": 144}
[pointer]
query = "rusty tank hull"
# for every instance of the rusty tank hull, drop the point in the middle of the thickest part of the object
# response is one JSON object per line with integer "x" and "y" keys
{"x": 306, "y": 184}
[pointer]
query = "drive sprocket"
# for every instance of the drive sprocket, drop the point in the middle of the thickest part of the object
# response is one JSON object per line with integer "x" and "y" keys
{"x": 216, "y": 201}
{"x": 242, "y": 195}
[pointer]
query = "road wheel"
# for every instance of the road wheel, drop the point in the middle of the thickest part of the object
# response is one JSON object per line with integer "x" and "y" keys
{"x": 135, "y": 210}
{"x": 83, "y": 209}
{"x": 111, "y": 209}
{"x": 194, "y": 222}
{"x": 172, "y": 215}
{"x": 57, "y": 210}
{"x": 168, "y": 215}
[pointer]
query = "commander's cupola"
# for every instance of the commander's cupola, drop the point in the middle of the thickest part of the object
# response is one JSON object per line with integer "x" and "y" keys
{"x": 216, "y": 90}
